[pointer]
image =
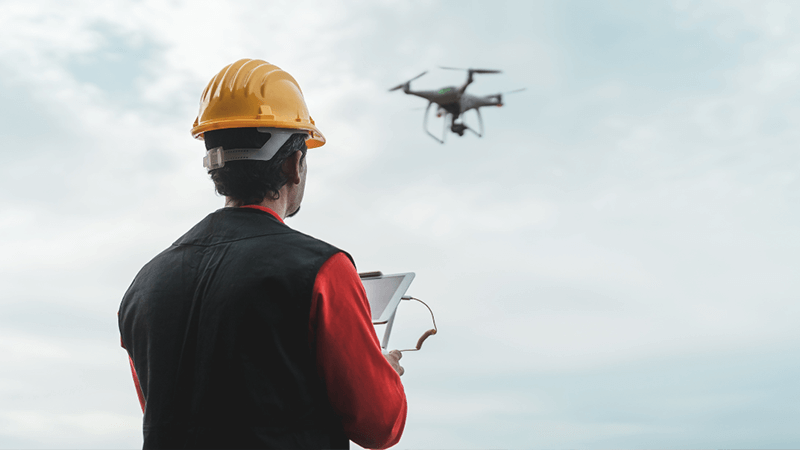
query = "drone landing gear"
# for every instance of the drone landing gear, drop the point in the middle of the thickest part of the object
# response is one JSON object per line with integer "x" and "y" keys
{"x": 425, "y": 125}
{"x": 456, "y": 127}
{"x": 464, "y": 126}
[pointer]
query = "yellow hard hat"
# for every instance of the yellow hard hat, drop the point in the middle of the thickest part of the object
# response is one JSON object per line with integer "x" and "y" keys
{"x": 254, "y": 93}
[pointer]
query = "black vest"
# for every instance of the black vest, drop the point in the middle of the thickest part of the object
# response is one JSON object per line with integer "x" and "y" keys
{"x": 217, "y": 326}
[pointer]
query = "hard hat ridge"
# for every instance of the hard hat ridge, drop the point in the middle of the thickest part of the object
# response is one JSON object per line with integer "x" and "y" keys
{"x": 253, "y": 93}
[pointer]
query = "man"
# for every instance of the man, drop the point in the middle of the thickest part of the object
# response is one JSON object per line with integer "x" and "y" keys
{"x": 246, "y": 333}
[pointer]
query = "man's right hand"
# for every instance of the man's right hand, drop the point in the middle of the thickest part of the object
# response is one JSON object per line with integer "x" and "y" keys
{"x": 394, "y": 359}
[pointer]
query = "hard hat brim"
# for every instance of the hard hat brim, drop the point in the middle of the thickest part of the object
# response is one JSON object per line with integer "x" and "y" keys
{"x": 315, "y": 139}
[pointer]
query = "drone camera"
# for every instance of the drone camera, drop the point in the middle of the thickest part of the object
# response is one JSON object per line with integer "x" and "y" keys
{"x": 458, "y": 128}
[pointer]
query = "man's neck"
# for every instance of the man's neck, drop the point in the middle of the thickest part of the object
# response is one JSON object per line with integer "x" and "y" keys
{"x": 280, "y": 205}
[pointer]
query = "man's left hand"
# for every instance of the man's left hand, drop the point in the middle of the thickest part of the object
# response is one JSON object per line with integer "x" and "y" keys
{"x": 394, "y": 359}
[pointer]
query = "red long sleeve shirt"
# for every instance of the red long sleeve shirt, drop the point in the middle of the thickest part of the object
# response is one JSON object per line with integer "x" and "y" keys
{"x": 363, "y": 388}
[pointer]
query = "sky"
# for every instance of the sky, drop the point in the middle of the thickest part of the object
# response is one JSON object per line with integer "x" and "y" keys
{"x": 612, "y": 265}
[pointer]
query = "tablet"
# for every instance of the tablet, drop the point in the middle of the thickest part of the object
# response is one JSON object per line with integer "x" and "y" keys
{"x": 384, "y": 292}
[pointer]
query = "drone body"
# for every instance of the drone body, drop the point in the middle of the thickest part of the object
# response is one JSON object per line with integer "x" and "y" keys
{"x": 453, "y": 101}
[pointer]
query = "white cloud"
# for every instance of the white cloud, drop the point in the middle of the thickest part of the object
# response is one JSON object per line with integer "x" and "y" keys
{"x": 64, "y": 430}
{"x": 600, "y": 221}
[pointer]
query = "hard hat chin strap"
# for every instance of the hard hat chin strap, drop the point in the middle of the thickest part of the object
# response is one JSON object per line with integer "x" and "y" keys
{"x": 217, "y": 156}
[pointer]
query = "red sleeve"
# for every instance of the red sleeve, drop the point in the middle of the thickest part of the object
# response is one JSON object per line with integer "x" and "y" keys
{"x": 362, "y": 386}
{"x": 136, "y": 383}
{"x": 135, "y": 377}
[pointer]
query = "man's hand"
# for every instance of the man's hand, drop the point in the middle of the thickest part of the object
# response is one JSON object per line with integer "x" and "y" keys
{"x": 394, "y": 357}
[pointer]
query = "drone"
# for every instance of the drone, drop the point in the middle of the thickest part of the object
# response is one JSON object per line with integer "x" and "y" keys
{"x": 454, "y": 102}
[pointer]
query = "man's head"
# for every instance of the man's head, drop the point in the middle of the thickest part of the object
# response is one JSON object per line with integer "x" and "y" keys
{"x": 247, "y": 104}
{"x": 251, "y": 182}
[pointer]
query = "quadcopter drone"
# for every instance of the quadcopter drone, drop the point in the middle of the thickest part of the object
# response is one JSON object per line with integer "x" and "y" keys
{"x": 454, "y": 102}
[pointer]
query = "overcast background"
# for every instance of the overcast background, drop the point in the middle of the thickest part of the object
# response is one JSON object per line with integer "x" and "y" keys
{"x": 613, "y": 265}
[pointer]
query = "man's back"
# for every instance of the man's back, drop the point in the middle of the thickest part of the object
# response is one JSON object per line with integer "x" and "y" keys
{"x": 236, "y": 290}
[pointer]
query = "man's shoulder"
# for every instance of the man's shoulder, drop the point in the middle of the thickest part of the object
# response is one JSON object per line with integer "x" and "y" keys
{"x": 324, "y": 248}
{"x": 233, "y": 224}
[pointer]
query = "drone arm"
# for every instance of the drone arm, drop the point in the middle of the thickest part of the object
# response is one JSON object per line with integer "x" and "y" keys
{"x": 469, "y": 81}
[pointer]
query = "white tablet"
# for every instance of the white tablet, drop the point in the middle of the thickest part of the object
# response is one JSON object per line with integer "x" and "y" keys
{"x": 384, "y": 293}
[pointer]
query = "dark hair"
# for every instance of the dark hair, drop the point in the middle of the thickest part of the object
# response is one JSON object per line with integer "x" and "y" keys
{"x": 249, "y": 182}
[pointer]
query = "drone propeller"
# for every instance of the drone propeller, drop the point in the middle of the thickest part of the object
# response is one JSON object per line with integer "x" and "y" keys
{"x": 399, "y": 86}
{"x": 473, "y": 70}
{"x": 499, "y": 96}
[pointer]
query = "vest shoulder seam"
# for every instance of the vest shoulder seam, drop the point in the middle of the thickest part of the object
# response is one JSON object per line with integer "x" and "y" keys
{"x": 228, "y": 241}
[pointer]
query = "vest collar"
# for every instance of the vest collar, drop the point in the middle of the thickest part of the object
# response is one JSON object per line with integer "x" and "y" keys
{"x": 265, "y": 209}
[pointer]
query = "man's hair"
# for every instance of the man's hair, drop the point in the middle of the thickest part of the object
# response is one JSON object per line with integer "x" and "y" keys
{"x": 249, "y": 182}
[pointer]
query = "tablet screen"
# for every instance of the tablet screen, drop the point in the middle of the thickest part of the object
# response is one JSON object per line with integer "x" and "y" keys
{"x": 379, "y": 292}
{"x": 384, "y": 292}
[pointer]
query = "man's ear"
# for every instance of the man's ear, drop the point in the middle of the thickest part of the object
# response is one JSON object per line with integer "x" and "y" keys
{"x": 291, "y": 167}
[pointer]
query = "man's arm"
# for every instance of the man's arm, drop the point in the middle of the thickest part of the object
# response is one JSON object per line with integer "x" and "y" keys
{"x": 362, "y": 386}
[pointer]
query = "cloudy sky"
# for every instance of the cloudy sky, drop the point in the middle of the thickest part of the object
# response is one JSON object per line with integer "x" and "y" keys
{"x": 613, "y": 265}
